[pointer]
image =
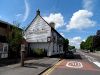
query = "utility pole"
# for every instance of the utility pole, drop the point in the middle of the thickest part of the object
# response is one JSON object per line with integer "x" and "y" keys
{"x": 22, "y": 54}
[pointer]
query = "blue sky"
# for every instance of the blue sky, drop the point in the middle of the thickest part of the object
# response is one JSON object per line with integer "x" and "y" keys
{"x": 74, "y": 19}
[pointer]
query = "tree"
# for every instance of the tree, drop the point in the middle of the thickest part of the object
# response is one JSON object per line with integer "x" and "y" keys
{"x": 88, "y": 44}
{"x": 71, "y": 47}
{"x": 65, "y": 45}
{"x": 14, "y": 40}
{"x": 96, "y": 43}
{"x": 82, "y": 45}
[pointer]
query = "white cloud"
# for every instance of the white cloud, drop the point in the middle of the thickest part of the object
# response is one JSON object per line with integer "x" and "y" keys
{"x": 75, "y": 41}
{"x": 27, "y": 9}
{"x": 57, "y": 18}
{"x": 23, "y": 17}
{"x": 81, "y": 20}
{"x": 84, "y": 40}
{"x": 18, "y": 18}
{"x": 62, "y": 34}
{"x": 18, "y": 15}
{"x": 88, "y": 4}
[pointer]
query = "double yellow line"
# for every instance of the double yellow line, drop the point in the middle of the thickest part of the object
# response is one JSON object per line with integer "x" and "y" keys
{"x": 52, "y": 68}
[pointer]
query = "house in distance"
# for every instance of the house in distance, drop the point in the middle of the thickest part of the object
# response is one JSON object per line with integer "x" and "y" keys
{"x": 42, "y": 35}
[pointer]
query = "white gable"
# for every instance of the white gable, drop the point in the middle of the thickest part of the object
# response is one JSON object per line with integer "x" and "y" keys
{"x": 38, "y": 31}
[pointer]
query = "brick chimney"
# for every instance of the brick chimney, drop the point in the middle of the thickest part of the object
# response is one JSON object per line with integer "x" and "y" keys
{"x": 38, "y": 12}
{"x": 52, "y": 24}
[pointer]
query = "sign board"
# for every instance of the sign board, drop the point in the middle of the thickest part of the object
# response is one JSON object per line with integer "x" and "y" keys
{"x": 22, "y": 47}
{"x": 48, "y": 39}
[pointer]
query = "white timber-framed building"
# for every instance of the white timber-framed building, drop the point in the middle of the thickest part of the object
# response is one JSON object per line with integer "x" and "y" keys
{"x": 40, "y": 34}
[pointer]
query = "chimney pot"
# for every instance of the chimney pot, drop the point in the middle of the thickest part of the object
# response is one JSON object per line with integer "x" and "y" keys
{"x": 52, "y": 24}
{"x": 38, "y": 12}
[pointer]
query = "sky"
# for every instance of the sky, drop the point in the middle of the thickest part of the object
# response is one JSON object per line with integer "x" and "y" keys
{"x": 74, "y": 19}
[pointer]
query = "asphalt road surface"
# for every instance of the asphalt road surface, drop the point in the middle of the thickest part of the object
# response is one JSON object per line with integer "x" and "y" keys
{"x": 80, "y": 64}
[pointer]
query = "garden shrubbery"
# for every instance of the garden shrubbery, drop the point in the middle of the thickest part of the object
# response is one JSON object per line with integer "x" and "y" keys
{"x": 39, "y": 52}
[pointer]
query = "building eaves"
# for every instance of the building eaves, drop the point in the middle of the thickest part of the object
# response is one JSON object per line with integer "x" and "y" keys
{"x": 9, "y": 24}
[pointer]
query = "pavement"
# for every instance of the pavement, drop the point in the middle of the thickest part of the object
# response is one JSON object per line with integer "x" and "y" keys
{"x": 97, "y": 53}
{"x": 31, "y": 67}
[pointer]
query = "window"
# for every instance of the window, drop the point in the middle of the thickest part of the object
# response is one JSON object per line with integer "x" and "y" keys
{"x": 1, "y": 48}
{"x": 5, "y": 49}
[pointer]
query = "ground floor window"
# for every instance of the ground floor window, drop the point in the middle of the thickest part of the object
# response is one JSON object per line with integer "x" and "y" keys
{"x": 3, "y": 50}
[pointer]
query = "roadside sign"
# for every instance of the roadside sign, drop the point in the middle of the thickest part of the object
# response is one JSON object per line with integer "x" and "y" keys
{"x": 22, "y": 47}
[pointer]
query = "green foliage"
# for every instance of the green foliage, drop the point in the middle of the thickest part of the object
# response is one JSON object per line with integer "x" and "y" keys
{"x": 82, "y": 45}
{"x": 14, "y": 40}
{"x": 65, "y": 45}
{"x": 88, "y": 44}
{"x": 92, "y": 43}
{"x": 38, "y": 51}
{"x": 71, "y": 47}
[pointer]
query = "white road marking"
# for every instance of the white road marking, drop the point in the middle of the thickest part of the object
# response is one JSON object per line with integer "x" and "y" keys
{"x": 97, "y": 63}
{"x": 74, "y": 64}
{"x": 92, "y": 59}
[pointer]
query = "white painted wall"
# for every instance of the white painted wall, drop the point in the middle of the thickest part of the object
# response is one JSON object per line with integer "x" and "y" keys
{"x": 38, "y": 31}
{"x": 37, "y": 34}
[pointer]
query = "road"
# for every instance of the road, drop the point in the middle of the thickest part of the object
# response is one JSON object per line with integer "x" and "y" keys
{"x": 81, "y": 64}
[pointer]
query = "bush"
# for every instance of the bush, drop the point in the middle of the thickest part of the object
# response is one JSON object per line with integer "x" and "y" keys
{"x": 38, "y": 52}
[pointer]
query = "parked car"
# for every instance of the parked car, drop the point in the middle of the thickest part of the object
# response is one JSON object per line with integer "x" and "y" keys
{"x": 69, "y": 54}
{"x": 73, "y": 50}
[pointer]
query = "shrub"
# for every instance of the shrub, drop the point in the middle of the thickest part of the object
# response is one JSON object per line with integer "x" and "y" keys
{"x": 38, "y": 51}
